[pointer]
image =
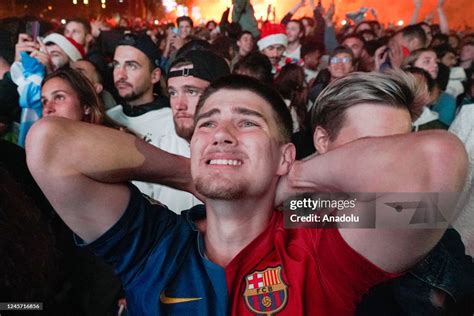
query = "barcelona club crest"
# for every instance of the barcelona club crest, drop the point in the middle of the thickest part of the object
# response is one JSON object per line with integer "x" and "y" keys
{"x": 265, "y": 292}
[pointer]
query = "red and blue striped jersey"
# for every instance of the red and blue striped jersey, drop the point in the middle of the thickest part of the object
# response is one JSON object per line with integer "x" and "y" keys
{"x": 160, "y": 259}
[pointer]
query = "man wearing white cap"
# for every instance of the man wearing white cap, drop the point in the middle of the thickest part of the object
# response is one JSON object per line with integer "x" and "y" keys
{"x": 273, "y": 43}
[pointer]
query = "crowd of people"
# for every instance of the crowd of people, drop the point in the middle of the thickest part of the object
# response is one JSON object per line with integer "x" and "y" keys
{"x": 144, "y": 167}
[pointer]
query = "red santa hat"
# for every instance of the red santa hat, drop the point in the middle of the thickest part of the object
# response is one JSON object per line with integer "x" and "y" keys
{"x": 272, "y": 34}
{"x": 73, "y": 49}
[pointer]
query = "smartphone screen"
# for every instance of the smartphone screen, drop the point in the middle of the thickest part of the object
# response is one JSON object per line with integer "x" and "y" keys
{"x": 32, "y": 29}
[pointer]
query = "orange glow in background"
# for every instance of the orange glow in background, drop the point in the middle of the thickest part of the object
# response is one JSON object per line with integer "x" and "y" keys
{"x": 458, "y": 12}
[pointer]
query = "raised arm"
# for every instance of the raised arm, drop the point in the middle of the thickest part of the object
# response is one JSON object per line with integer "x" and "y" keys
{"x": 416, "y": 11}
{"x": 82, "y": 169}
{"x": 238, "y": 8}
{"x": 225, "y": 18}
{"x": 443, "y": 21}
{"x": 320, "y": 24}
{"x": 292, "y": 12}
{"x": 329, "y": 15}
{"x": 330, "y": 40}
{"x": 269, "y": 11}
{"x": 419, "y": 162}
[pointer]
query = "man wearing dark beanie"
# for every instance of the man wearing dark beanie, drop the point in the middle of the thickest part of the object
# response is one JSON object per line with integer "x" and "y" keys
{"x": 136, "y": 71}
{"x": 188, "y": 77}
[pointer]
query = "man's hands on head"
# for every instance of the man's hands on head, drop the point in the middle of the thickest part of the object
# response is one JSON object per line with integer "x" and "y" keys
{"x": 353, "y": 167}
{"x": 82, "y": 168}
{"x": 435, "y": 161}
{"x": 292, "y": 183}
{"x": 60, "y": 156}
{"x": 283, "y": 191}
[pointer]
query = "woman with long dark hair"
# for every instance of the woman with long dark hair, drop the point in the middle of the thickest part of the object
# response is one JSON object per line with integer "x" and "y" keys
{"x": 69, "y": 94}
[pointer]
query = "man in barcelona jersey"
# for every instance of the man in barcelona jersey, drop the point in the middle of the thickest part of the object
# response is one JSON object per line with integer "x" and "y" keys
{"x": 234, "y": 256}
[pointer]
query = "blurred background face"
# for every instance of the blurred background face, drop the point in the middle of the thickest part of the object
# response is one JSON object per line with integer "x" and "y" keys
{"x": 293, "y": 31}
{"x": 467, "y": 53}
{"x": 90, "y": 72}
{"x": 60, "y": 100}
{"x": 363, "y": 27}
{"x": 76, "y": 31}
{"x": 340, "y": 65}
{"x": 355, "y": 44}
{"x": 245, "y": 44}
{"x": 311, "y": 60}
{"x": 57, "y": 55}
{"x": 429, "y": 36}
{"x": 453, "y": 41}
{"x": 449, "y": 59}
{"x": 308, "y": 29}
{"x": 184, "y": 96}
{"x": 428, "y": 62}
{"x": 368, "y": 36}
{"x": 274, "y": 53}
{"x": 87, "y": 69}
{"x": 184, "y": 28}
{"x": 211, "y": 25}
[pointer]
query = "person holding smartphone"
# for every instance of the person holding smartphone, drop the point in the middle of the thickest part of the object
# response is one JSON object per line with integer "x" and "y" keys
{"x": 176, "y": 39}
{"x": 33, "y": 61}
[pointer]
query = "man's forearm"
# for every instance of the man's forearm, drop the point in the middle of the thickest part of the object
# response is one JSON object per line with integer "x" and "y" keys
{"x": 443, "y": 21}
{"x": 104, "y": 154}
{"x": 414, "y": 17}
{"x": 320, "y": 26}
{"x": 421, "y": 162}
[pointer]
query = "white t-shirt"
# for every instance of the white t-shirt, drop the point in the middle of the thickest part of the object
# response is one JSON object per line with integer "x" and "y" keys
{"x": 463, "y": 128}
{"x": 296, "y": 54}
{"x": 150, "y": 126}
{"x": 157, "y": 128}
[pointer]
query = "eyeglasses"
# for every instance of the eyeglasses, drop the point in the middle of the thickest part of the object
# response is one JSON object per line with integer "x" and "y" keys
{"x": 344, "y": 60}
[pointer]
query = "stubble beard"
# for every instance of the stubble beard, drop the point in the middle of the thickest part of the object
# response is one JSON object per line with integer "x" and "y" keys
{"x": 134, "y": 94}
{"x": 223, "y": 189}
{"x": 184, "y": 131}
